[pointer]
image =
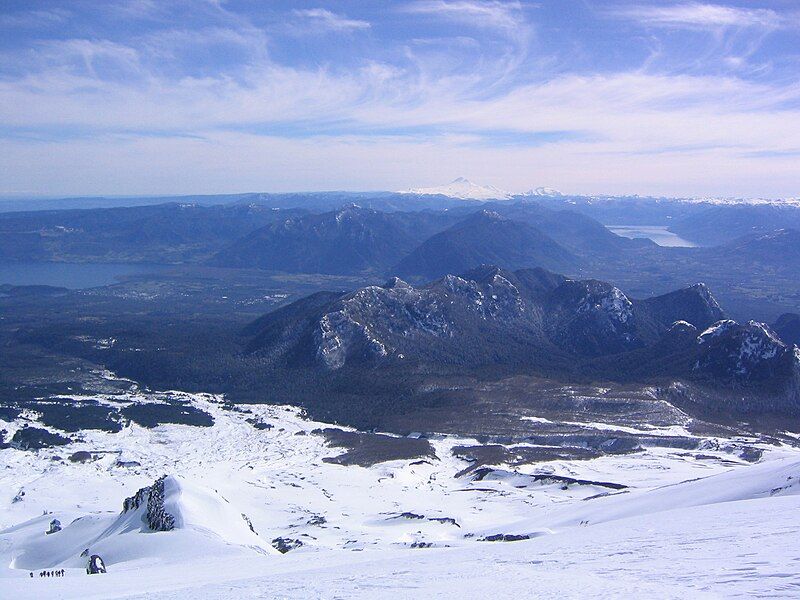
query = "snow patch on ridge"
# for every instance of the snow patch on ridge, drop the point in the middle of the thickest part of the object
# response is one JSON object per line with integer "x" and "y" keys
{"x": 716, "y": 330}
{"x": 614, "y": 303}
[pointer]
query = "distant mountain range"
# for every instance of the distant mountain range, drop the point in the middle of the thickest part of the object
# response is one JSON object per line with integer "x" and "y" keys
{"x": 426, "y": 244}
{"x": 164, "y": 233}
{"x": 485, "y": 237}
{"x": 349, "y": 240}
{"x": 532, "y": 320}
{"x": 421, "y": 237}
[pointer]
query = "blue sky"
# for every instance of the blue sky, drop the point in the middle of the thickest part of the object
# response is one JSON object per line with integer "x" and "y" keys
{"x": 588, "y": 96}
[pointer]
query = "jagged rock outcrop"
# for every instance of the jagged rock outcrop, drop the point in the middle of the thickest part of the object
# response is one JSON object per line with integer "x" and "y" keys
{"x": 55, "y": 527}
{"x": 95, "y": 565}
{"x": 284, "y": 545}
{"x": 485, "y": 316}
{"x": 156, "y": 517}
{"x": 750, "y": 351}
{"x": 530, "y": 321}
{"x": 751, "y": 356}
{"x": 591, "y": 318}
{"x": 505, "y": 537}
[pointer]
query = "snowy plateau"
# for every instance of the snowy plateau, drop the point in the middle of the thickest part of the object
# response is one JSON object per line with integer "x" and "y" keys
{"x": 259, "y": 505}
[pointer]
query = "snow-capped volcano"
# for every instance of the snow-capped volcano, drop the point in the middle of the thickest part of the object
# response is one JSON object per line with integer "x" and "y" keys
{"x": 543, "y": 191}
{"x": 463, "y": 189}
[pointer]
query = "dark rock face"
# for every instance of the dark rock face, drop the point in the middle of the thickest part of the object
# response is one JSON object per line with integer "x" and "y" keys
{"x": 157, "y": 518}
{"x": 505, "y": 537}
{"x": 445, "y": 521}
{"x": 249, "y": 523}
{"x": 409, "y": 515}
{"x": 95, "y": 565}
{"x": 484, "y": 472}
{"x": 284, "y": 545}
{"x": 82, "y": 456}
{"x": 496, "y": 454}
{"x": 35, "y": 438}
{"x": 55, "y": 527}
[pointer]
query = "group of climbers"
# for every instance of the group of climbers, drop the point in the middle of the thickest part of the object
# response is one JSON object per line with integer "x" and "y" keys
{"x": 59, "y": 573}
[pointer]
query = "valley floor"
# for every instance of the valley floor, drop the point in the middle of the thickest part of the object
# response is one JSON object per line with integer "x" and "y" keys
{"x": 688, "y": 523}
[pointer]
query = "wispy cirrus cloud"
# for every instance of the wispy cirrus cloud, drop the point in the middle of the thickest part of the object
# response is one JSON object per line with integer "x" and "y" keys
{"x": 324, "y": 19}
{"x": 699, "y": 15}
{"x": 484, "y": 14}
{"x": 34, "y": 18}
{"x": 505, "y": 42}
{"x": 514, "y": 94}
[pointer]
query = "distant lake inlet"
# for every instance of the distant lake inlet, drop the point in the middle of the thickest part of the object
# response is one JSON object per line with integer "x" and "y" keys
{"x": 72, "y": 275}
{"x": 658, "y": 233}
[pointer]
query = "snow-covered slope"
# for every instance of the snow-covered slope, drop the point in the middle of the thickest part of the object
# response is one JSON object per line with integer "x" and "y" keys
{"x": 463, "y": 189}
{"x": 183, "y": 519}
{"x": 666, "y": 520}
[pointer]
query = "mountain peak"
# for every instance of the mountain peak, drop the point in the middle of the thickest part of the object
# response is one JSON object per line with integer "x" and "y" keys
{"x": 543, "y": 191}
{"x": 749, "y": 351}
{"x": 464, "y": 189}
{"x": 396, "y": 282}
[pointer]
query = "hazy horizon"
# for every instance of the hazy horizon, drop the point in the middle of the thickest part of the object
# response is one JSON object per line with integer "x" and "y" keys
{"x": 176, "y": 98}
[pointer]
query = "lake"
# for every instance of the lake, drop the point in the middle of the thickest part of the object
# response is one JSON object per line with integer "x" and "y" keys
{"x": 72, "y": 275}
{"x": 658, "y": 233}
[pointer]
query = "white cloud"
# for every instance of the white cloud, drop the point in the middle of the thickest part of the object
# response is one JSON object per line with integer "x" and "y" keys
{"x": 699, "y": 15}
{"x": 34, "y": 18}
{"x": 489, "y": 14}
{"x": 254, "y": 123}
{"x": 324, "y": 19}
{"x": 503, "y": 48}
{"x": 644, "y": 133}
